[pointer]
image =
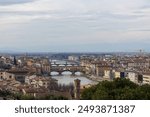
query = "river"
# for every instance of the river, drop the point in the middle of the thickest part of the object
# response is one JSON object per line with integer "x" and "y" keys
{"x": 66, "y": 77}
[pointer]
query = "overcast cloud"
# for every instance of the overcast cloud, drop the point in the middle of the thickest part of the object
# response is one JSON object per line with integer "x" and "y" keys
{"x": 74, "y": 25}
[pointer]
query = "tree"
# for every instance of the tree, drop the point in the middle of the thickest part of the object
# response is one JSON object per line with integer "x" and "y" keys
{"x": 119, "y": 89}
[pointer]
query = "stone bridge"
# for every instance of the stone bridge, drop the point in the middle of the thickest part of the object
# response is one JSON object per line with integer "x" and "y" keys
{"x": 72, "y": 69}
{"x": 65, "y": 64}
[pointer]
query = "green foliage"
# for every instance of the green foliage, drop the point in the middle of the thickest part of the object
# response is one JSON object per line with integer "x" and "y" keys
{"x": 119, "y": 89}
{"x": 88, "y": 92}
{"x": 20, "y": 96}
{"x": 5, "y": 93}
{"x": 30, "y": 97}
{"x": 53, "y": 97}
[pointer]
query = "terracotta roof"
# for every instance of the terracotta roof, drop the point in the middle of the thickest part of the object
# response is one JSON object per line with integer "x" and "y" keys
{"x": 17, "y": 71}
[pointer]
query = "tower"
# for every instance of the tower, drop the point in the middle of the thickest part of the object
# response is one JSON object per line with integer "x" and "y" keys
{"x": 15, "y": 61}
{"x": 77, "y": 89}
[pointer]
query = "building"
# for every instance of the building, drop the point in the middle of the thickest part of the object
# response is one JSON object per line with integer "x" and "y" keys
{"x": 132, "y": 76}
{"x": 146, "y": 78}
{"x": 18, "y": 75}
{"x": 40, "y": 81}
{"x": 73, "y": 58}
{"x": 109, "y": 74}
{"x": 77, "y": 89}
{"x": 138, "y": 63}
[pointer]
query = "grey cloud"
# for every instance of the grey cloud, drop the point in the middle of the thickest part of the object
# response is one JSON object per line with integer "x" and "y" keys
{"x": 140, "y": 30}
{"x": 51, "y": 22}
{"x": 9, "y": 2}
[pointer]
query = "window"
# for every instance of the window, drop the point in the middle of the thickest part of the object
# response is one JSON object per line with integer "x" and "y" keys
{"x": 10, "y": 76}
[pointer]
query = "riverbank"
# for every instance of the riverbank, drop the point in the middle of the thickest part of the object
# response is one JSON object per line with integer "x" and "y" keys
{"x": 96, "y": 78}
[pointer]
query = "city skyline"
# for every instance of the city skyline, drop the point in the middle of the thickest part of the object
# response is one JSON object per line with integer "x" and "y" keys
{"x": 74, "y": 26}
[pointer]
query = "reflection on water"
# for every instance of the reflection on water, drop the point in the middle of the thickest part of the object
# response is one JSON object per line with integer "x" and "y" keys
{"x": 67, "y": 78}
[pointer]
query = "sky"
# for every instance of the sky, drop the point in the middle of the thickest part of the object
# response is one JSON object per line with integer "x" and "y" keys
{"x": 74, "y": 25}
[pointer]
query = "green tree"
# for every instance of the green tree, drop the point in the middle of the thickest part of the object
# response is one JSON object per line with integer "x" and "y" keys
{"x": 119, "y": 89}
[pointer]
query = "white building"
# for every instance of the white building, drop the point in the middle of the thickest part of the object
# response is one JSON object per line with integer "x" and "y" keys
{"x": 146, "y": 78}
{"x": 73, "y": 58}
{"x": 132, "y": 76}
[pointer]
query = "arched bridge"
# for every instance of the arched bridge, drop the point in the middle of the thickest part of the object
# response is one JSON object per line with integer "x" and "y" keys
{"x": 65, "y": 64}
{"x": 72, "y": 69}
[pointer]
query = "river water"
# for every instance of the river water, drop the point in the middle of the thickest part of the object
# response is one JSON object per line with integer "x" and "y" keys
{"x": 66, "y": 77}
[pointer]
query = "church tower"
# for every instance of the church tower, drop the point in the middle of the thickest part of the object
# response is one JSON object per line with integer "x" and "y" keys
{"x": 15, "y": 61}
{"x": 77, "y": 89}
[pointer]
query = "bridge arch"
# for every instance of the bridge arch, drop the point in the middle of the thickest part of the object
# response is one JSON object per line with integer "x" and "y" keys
{"x": 66, "y": 73}
{"x": 54, "y": 73}
{"x": 78, "y": 73}
{"x": 72, "y": 69}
